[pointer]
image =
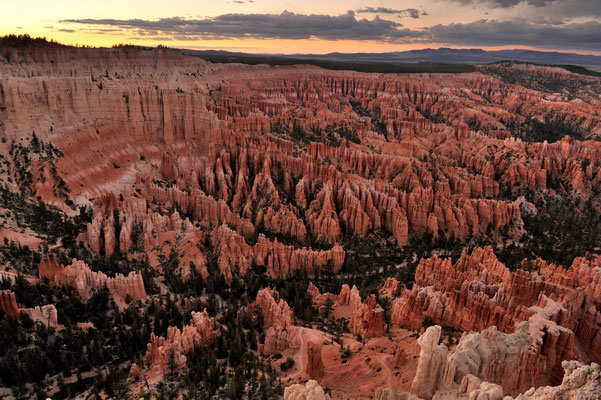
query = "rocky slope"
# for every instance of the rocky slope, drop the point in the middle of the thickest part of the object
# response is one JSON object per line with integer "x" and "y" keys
{"x": 426, "y": 178}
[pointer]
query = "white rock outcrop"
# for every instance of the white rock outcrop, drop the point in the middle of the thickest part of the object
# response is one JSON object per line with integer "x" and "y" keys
{"x": 309, "y": 391}
{"x": 432, "y": 362}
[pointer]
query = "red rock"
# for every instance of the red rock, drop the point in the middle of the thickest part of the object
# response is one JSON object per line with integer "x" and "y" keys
{"x": 46, "y": 315}
{"x": 277, "y": 318}
{"x": 79, "y": 276}
{"x": 212, "y": 141}
{"x": 153, "y": 233}
{"x": 366, "y": 318}
{"x": 161, "y": 350}
{"x": 8, "y": 303}
{"x": 400, "y": 358}
{"x": 235, "y": 255}
{"x": 478, "y": 292}
{"x": 389, "y": 288}
{"x": 314, "y": 368}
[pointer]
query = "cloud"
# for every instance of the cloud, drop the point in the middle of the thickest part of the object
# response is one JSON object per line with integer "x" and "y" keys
{"x": 378, "y": 10}
{"x": 580, "y": 36}
{"x": 286, "y": 25}
{"x": 551, "y": 8}
{"x": 573, "y": 8}
{"x": 541, "y": 32}
{"x": 506, "y": 3}
{"x": 407, "y": 12}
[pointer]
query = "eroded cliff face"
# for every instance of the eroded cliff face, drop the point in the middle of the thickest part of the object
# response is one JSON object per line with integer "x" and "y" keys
{"x": 277, "y": 316}
{"x": 46, "y": 315}
{"x": 465, "y": 372}
{"x": 85, "y": 281}
{"x": 115, "y": 104}
{"x": 548, "y": 315}
{"x": 298, "y": 154}
{"x": 168, "y": 354}
{"x": 365, "y": 318}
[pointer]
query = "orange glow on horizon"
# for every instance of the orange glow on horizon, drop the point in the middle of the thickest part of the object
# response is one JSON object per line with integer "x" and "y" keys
{"x": 43, "y": 19}
{"x": 257, "y": 46}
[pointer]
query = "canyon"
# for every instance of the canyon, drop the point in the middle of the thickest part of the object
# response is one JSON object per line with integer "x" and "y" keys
{"x": 300, "y": 232}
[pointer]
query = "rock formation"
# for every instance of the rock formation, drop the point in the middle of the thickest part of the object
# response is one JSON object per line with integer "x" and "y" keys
{"x": 46, "y": 315}
{"x": 85, "y": 281}
{"x": 432, "y": 363}
{"x": 546, "y": 315}
{"x": 366, "y": 319}
{"x": 484, "y": 365}
{"x": 513, "y": 361}
{"x": 309, "y": 391}
{"x": 278, "y": 167}
{"x": 146, "y": 231}
{"x": 165, "y": 353}
{"x": 478, "y": 291}
{"x": 235, "y": 256}
{"x": 314, "y": 367}
{"x": 8, "y": 303}
{"x": 280, "y": 331}
{"x": 580, "y": 381}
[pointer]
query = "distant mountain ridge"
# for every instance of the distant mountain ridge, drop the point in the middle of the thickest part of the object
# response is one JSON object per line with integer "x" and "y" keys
{"x": 440, "y": 55}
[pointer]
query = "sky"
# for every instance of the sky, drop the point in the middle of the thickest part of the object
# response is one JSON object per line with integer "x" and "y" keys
{"x": 312, "y": 26}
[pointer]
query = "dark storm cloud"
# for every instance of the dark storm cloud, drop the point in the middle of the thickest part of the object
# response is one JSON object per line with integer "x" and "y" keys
{"x": 582, "y": 36}
{"x": 573, "y": 8}
{"x": 550, "y": 8}
{"x": 506, "y": 3}
{"x": 407, "y": 12}
{"x": 541, "y": 33}
{"x": 286, "y": 25}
